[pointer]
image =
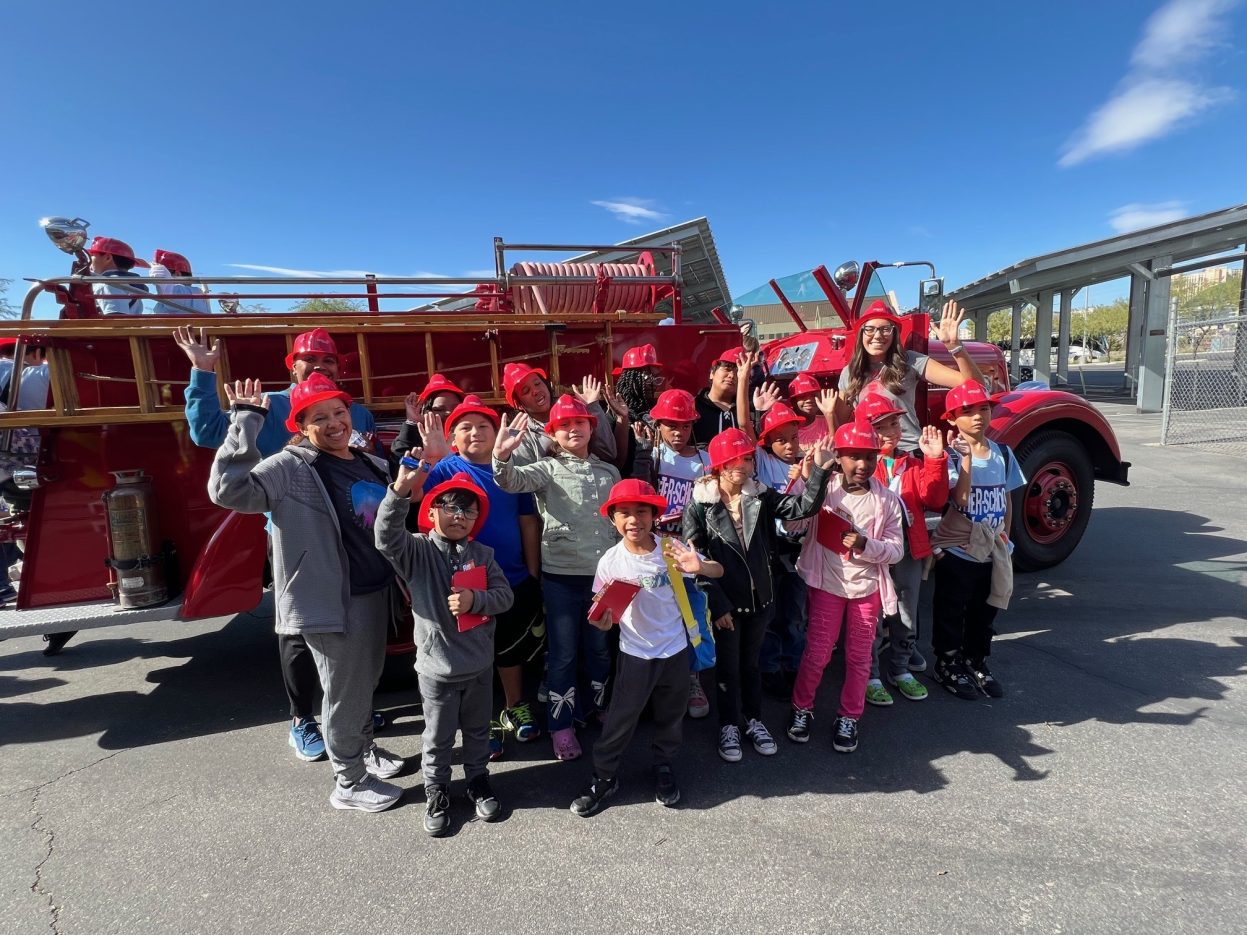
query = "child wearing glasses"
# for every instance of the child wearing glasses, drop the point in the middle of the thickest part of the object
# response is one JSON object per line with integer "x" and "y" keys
{"x": 880, "y": 364}
{"x": 455, "y": 655}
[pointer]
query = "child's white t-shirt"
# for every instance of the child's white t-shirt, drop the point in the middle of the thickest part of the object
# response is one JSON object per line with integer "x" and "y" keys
{"x": 651, "y": 627}
{"x": 991, "y": 479}
{"x": 676, "y": 475}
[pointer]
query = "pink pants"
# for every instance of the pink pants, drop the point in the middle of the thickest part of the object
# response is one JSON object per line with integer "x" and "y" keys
{"x": 827, "y": 615}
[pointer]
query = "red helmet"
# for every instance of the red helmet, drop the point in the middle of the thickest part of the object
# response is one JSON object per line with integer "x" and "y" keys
{"x": 777, "y": 416}
{"x": 633, "y": 491}
{"x": 470, "y": 404}
{"x": 515, "y": 374}
{"x": 461, "y": 481}
{"x": 316, "y": 341}
{"x": 643, "y": 356}
{"x": 675, "y": 406}
{"x": 879, "y": 309}
{"x": 111, "y": 246}
{"x": 970, "y": 393}
{"x": 802, "y": 385}
{"x": 568, "y": 407}
{"x": 730, "y": 356}
{"x": 872, "y": 407}
{"x": 314, "y": 389}
{"x": 173, "y": 262}
{"x": 729, "y": 445}
{"x": 440, "y": 384}
{"x": 857, "y": 436}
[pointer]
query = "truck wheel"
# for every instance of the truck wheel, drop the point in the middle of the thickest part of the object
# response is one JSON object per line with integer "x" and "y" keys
{"x": 1050, "y": 512}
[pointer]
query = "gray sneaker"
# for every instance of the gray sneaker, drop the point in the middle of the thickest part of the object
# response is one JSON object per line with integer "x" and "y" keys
{"x": 382, "y": 763}
{"x": 916, "y": 662}
{"x": 370, "y": 794}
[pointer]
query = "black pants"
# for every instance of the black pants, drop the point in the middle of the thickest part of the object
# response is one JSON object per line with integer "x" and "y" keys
{"x": 637, "y": 682}
{"x": 962, "y": 617}
{"x": 737, "y": 675}
{"x": 298, "y": 672}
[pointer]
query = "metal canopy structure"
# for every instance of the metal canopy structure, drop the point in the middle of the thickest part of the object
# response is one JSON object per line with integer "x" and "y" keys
{"x": 1146, "y": 256}
{"x": 705, "y": 286}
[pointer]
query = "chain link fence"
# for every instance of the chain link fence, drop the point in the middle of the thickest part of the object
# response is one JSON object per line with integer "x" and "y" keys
{"x": 1206, "y": 378}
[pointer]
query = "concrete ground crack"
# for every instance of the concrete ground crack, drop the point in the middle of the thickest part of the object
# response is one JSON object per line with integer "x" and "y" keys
{"x": 41, "y": 827}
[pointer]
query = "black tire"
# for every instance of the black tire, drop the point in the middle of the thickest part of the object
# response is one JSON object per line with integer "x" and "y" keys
{"x": 1051, "y": 511}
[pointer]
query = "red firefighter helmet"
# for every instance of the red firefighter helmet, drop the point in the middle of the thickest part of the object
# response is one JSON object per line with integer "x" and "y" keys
{"x": 515, "y": 374}
{"x": 111, "y": 246}
{"x": 566, "y": 409}
{"x": 803, "y": 385}
{"x": 316, "y": 341}
{"x": 729, "y": 445}
{"x": 970, "y": 393}
{"x": 776, "y": 417}
{"x": 314, "y": 389}
{"x": 675, "y": 406}
{"x": 470, "y": 405}
{"x": 857, "y": 436}
{"x": 440, "y": 384}
{"x": 633, "y": 491}
{"x": 643, "y": 356}
{"x": 461, "y": 481}
{"x": 173, "y": 262}
{"x": 873, "y": 407}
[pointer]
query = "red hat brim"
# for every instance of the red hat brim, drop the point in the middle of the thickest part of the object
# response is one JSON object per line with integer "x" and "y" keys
{"x": 554, "y": 424}
{"x": 793, "y": 419}
{"x": 309, "y": 401}
{"x": 516, "y": 385}
{"x": 461, "y": 411}
{"x": 460, "y": 481}
{"x": 654, "y": 500}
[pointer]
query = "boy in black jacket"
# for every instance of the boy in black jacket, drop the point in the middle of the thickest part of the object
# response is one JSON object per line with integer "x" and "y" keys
{"x": 732, "y": 521}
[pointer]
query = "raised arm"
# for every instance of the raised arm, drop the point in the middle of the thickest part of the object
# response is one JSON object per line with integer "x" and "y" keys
{"x": 205, "y": 419}
{"x": 241, "y": 480}
{"x": 530, "y": 478}
{"x": 967, "y": 369}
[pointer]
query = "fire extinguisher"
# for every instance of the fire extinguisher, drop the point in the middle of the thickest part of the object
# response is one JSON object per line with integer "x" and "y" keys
{"x": 137, "y": 564}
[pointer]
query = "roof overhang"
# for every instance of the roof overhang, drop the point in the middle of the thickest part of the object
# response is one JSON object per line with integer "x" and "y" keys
{"x": 1104, "y": 260}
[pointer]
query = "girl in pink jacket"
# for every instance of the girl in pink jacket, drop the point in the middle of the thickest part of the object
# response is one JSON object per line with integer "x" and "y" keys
{"x": 844, "y": 562}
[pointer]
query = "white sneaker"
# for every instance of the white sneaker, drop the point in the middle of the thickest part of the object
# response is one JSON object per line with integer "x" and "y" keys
{"x": 698, "y": 703}
{"x": 761, "y": 738}
{"x": 382, "y": 763}
{"x": 370, "y": 794}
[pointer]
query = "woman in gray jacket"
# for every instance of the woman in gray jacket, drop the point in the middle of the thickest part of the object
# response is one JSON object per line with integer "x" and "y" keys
{"x": 330, "y": 584}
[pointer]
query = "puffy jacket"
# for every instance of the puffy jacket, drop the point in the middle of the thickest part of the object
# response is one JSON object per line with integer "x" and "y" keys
{"x": 746, "y": 584}
{"x": 922, "y": 484}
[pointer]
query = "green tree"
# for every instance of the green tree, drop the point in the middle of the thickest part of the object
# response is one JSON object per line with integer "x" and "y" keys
{"x": 1000, "y": 324}
{"x": 6, "y": 310}
{"x": 1106, "y": 324}
{"x": 1202, "y": 311}
{"x": 328, "y": 306}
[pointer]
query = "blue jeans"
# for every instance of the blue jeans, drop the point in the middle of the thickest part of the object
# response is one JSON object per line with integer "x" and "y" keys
{"x": 784, "y": 640}
{"x": 575, "y": 645}
{"x": 10, "y": 555}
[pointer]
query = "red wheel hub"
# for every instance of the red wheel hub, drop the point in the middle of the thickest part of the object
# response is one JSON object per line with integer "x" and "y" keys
{"x": 1051, "y": 502}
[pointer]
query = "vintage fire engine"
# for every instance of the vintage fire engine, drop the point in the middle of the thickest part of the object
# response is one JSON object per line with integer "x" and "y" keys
{"x": 105, "y": 544}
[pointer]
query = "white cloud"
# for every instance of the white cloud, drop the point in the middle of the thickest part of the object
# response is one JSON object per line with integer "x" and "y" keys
{"x": 632, "y": 210}
{"x": 1139, "y": 112}
{"x": 1181, "y": 29}
{"x": 1133, "y": 217}
{"x": 1155, "y": 98}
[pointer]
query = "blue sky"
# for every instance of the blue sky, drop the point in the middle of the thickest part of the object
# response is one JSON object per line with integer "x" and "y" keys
{"x": 400, "y": 138}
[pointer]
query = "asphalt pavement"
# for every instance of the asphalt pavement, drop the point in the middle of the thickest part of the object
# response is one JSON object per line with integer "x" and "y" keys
{"x": 146, "y": 784}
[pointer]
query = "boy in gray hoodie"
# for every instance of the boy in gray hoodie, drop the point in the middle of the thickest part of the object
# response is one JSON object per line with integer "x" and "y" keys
{"x": 455, "y": 647}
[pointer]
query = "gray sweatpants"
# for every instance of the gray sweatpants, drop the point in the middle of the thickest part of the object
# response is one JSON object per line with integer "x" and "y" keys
{"x": 637, "y": 681}
{"x": 464, "y": 705}
{"x": 902, "y": 626}
{"x": 349, "y": 665}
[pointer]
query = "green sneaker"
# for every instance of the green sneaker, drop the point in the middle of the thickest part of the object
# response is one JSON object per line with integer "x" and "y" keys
{"x": 876, "y": 694}
{"x": 909, "y": 686}
{"x": 519, "y": 720}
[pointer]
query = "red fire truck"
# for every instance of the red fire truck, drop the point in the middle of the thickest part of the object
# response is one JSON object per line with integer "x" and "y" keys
{"x": 117, "y": 406}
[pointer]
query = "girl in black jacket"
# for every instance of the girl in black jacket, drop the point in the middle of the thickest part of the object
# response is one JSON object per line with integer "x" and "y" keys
{"x": 732, "y": 520}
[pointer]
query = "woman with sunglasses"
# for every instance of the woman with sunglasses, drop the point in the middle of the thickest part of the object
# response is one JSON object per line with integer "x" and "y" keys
{"x": 880, "y": 364}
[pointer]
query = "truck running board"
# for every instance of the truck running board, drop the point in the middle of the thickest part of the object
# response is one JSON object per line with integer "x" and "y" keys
{"x": 79, "y": 617}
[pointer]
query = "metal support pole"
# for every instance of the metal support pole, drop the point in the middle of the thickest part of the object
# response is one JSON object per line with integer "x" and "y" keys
{"x": 1015, "y": 338}
{"x": 1135, "y": 326}
{"x": 1064, "y": 321}
{"x": 1154, "y": 341}
{"x": 1043, "y": 337}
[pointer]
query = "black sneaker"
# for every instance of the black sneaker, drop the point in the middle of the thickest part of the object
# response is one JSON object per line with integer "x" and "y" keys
{"x": 481, "y": 795}
{"x": 950, "y": 672}
{"x": 775, "y": 685}
{"x": 666, "y": 791}
{"x": 983, "y": 679}
{"x": 844, "y": 737}
{"x": 436, "y": 809}
{"x": 590, "y": 801}
{"x": 799, "y": 726}
{"x": 56, "y": 642}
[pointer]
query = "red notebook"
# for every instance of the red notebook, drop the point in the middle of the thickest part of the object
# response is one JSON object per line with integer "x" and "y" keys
{"x": 615, "y": 597}
{"x": 477, "y": 579}
{"x": 832, "y": 525}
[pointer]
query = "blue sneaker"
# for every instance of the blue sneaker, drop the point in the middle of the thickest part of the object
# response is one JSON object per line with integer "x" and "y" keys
{"x": 519, "y": 720}
{"x": 307, "y": 741}
{"x": 497, "y": 738}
